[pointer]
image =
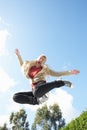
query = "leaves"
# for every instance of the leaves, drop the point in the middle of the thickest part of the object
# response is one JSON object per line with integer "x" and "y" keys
{"x": 79, "y": 123}
{"x": 18, "y": 120}
{"x": 46, "y": 118}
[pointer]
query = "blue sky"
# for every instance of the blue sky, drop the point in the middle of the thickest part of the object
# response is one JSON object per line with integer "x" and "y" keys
{"x": 57, "y": 28}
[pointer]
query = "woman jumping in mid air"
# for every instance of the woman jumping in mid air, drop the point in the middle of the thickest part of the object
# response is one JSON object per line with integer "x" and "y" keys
{"x": 36, "y": 71}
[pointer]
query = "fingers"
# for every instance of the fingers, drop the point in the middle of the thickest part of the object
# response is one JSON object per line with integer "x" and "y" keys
{"x": 17, "y": 52}
{"x": 75, "y": 71}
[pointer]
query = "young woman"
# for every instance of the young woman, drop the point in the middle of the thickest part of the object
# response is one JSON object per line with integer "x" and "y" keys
{"x": 36, "y": 71}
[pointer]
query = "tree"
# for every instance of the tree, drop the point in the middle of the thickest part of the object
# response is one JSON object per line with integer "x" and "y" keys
{"x": 56, "y": 117}
{"x": 80, "y": 123}
{"x": 48, "y": 118}
{"x": 18, "y": 120}
{"x": 4, "y": 127}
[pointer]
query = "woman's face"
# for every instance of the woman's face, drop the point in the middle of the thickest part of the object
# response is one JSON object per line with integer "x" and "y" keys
{"x": 42, "y": 59}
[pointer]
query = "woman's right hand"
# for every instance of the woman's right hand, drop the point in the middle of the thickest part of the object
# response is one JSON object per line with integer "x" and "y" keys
{"x": 17, "y": 52}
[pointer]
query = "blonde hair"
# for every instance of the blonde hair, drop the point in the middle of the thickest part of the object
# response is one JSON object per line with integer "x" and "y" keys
{"x": 42, "y": 56}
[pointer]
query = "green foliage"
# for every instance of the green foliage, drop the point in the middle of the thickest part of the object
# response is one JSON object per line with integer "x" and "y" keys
{"x": 4, "y": 127}
{"x": 79, "y": 123}
{"x": 48, "y": 118}
{"x": 18, "y": 120}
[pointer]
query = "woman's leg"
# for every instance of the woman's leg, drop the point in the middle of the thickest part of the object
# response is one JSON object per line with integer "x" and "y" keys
{"x": 25, "y": 98}
{"x": 44, "y": 88}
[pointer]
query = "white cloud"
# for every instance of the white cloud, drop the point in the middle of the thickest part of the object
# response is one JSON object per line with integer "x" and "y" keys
{"x": 2, "y": 21}
{"x": 5, "y": 81}
{"x": 10, "y": 107}
{"x": 4, "y": 34}
{"x": 4, "y": 119}
{"x": 13, "y": 106}
{"x": 65, "y": 102}
{"x": 60, "y": 96}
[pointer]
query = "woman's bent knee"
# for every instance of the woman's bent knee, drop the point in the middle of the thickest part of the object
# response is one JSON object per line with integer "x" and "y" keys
{"x": 15, "y": 97}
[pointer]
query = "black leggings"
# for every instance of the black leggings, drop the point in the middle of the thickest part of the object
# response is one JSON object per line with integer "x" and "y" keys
{"x": 40, "y": 89}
